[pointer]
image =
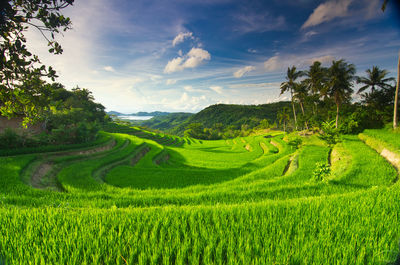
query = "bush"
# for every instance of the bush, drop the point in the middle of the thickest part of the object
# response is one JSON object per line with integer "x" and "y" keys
{"x": 321, "y": 172}
{"x": 10, "y": 139}
{"x": 330, "y": 134}
{"x": 295, "y": 141}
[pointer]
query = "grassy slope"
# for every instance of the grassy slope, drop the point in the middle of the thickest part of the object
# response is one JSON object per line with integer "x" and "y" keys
{"x": 255, "y": 215}
{"x": 235, "y": 115}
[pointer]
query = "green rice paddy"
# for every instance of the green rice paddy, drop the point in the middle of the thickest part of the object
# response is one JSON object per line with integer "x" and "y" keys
{"x": 159, "y": 199}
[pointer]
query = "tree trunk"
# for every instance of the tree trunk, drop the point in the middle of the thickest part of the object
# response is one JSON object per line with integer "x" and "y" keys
{"x": 337, "y": 115}
{"x": 302, "y": 110}
{"x": 396, "y": 96}
{"x": 294, "y": 110}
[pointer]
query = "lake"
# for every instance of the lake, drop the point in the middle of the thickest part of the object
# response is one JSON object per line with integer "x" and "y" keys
{"x": 132, "y": 118}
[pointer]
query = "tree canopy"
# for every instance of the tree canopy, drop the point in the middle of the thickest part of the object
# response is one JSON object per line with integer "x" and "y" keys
{"x": 17, "y": 64}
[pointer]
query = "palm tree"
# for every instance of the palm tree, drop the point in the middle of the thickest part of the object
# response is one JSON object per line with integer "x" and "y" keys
{"x": 283, "y": 116}
{"x": 300, "y": 94}
{"x": 396, "y": 95}
{"x": 340, "y": 83}
{"x": 316, "y": 82}
{"x": 375, "y": 78}
{"x": 290, "y": 85}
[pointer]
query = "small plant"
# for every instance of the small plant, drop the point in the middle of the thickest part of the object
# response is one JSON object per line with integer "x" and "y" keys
{"x": 330, "y": 134}
{"x": 322, "y": 171}
{"x": 295, "y": 141}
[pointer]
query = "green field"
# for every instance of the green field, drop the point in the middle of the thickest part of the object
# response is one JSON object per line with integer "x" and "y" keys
{"x": 137, "y": 197}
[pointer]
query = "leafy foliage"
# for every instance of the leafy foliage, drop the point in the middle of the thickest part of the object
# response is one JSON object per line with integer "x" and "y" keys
{"x": 69, "y": 117}
{"x": 294, "y": 140}
{"x": 17, "y": 64}
{"x": 330, "y": 133}
{"x": 321, "y": 172}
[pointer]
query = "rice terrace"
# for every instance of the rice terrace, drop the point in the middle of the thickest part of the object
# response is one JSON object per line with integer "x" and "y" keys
{"x": 312, "y": 178}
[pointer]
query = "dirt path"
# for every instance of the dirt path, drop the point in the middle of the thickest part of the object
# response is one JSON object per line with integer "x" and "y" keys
{"x": 44, "y": 176}
{"x": 42, "y": 170}
{"x": 99, "y": 149}
{"x": 392, "y": 158}
{"x": 139, "y": 155}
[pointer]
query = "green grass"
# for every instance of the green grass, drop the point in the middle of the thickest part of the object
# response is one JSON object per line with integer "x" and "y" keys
{"x": 388, "y": 136}
{"x": 101, "y": 139}
{"x": 210, "y": 202}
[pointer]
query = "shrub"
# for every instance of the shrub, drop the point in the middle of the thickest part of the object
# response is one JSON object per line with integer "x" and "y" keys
{"x": 10, "y": 139}
{"x": 330, "y": 134}
{"x": 295, "y": 141}
{"x": 322, "y": 171}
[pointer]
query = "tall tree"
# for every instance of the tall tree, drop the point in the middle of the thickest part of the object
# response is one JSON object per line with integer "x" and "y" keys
{"x": 316, "y": 82}
{"x": 283, "y": 117}
{"x": 17, "y": 64}
{"x": 340, "y": 83}
{"x": 316, "y": 78}
{"x": 300, "y": 94}
{"x": 375, "y": 78}
{"x": 290, "y": 85}
{"x": 396, "y": 96}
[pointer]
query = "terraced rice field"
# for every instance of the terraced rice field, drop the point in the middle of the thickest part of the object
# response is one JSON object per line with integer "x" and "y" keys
{"x": 137, "y": 197}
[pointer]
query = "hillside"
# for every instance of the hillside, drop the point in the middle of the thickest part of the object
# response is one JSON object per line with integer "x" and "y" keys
{"x": 138, "y": 197}
{"x": 167, "y": 122}
{"x": 233, "y": 115}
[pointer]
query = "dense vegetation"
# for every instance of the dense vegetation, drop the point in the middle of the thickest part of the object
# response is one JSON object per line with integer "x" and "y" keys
{"x": 218, "y": 121}
{"x": 167, "y": 122}
{"x": 319, "y": 95}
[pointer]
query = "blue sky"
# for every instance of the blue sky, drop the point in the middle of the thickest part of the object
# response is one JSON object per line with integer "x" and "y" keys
{"x": 184, "y": 55}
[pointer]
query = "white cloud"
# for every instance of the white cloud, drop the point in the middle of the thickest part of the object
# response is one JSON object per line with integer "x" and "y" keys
{"x": 274, "y": 63}
{"x": 217, "y": 89}
{"x": 256, "y": 85}
{"x": 311, "y": 33}
{"x": 184, "y": 98}
{"x": 194, "y": 58}
{"x": 328, "y": 11}
{"x": 181, "y": 37}
{"x": 174, "y": 65}
{"x": 281, "y": 62}
{"x": 351, "y": 10}
{"x": 188, "y": 88}
{"x": 250, "y": 50}
{"x": 109, "y": 69}
{"x": 194, "y": 90}
{"x": 154, "y": 77}
{"x": 171, "y": 82}
{"x": 242, "y": 71}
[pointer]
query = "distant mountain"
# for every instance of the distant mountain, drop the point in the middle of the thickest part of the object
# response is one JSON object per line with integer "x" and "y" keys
{"x": 115, "y": 113}
{"x": 167, "y": 122}
{"x": 226, "y": 114}
{"x": 233, "y": 115}
{"x": 141, "y": 113}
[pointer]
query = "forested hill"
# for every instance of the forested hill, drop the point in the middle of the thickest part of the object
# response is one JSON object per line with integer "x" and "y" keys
{"x": 237, "y": 114}
{"x": 224, "y": 114}
{"x": 167, "y": 122}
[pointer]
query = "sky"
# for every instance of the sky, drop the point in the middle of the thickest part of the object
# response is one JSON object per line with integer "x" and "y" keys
{"x": 184, "y": 55}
